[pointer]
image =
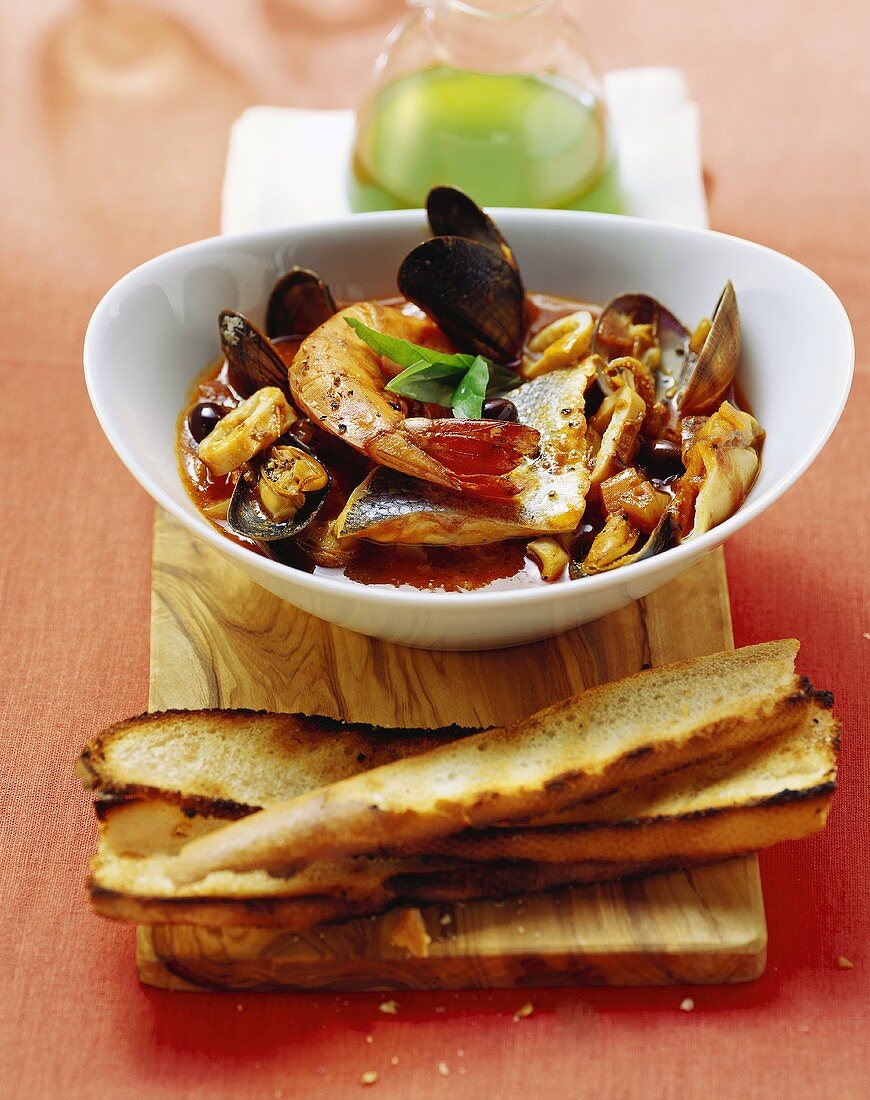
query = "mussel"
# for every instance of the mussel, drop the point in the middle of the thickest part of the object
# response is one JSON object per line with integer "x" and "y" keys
{"x": 300, "y": 302}
{"x": 252, "y": 361}
{"x": 466, "y": 279}
{"x": 452, "y": 213}
{"x": 662, "y": 537}
{"x": 706, "y": 381}
{"x": 247, "y": 515}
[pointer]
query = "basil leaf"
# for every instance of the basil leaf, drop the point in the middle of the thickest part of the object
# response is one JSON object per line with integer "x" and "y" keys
{"x": 469, "y": 394}
{"x": 501, "y": 380}
{"x": 425, "y": 382}
{"x": 438, "y": 377}
{"x": 403, "y": 352}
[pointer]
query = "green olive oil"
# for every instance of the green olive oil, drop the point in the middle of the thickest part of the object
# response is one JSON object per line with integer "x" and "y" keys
{"x": 507, "y": 140}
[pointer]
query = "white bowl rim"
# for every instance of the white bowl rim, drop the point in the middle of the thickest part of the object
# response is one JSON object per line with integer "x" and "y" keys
{"x": 688, "y": 549}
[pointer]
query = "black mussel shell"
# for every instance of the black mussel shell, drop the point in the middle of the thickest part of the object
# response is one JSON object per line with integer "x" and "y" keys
{"x": 247, "y": 517}
{"x": 472, "y": 293}
{"x": 661, "y": 538}
{"x": 452, "y": 213}
{"x": 300, "y": 302}
{"x": 252, "y": 360}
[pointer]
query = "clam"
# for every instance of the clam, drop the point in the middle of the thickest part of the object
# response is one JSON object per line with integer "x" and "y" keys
{"x": 252, "y": 361}
{"x": 620, "y": 553}
{"x": 300, "y": 302}
{"x": 466, "y": 279}
{"x": 707, "y": 379}
{"x": 248, "y": 515}
{"x": 637, "y": 325}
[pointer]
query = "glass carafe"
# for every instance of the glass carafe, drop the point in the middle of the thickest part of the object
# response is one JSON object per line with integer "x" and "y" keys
{"x": 494, "y": 96}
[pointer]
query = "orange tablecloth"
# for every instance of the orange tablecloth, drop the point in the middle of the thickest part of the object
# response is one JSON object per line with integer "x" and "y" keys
{"x": 114, "y": 122}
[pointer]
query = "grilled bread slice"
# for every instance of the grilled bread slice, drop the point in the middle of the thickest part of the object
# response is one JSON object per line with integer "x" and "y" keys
{"x": 221, "y": 765}
{"x": 613, "y": 735}
{"x": 779, "y": 790}
{"x": 776, "y": 791}
{"x": 128, "y": 878}
{"x": 241, "y": 760}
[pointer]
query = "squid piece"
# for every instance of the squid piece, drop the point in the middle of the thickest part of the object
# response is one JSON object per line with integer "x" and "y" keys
{"x": 618, "y": 422}
{"x": 246, "y": 430}
{"x": 550, "y": 556}
{"x": 722, "y": 461}
{"x": 561, "y": 344}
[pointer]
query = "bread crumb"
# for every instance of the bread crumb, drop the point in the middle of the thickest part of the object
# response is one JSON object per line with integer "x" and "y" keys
{"x": 521, "y": 929}
{"x": 443, "y": 1069}
{"x": 370, "y": 1038}
{"x": 805, "y": 1028}
{"x": 460, "y": 1053}
{"x": 524, "y": 1010}
{"x": 240, "y": 1008}
{"x": 462, "y": 1071}
{"x": 394, "y": 1061}
{"x": 446, "y": 919}
{"x": 844, "y": 963}
{"x": 409, "y": 932}
{"x": 369, "y": 1078}
{"x": 687, "y": 1004}
{"x": 867, "y": 635}
{"x": 440, "y": 1008}
{"x": 389, "y": 1007}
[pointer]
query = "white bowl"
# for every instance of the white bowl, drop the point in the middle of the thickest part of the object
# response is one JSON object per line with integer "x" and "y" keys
{"x": 156, "y": 329}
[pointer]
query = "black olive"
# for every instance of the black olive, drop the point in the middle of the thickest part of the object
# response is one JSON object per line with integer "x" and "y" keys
{"x": 499, "y": 408}
{"x": 662, "y": 459}
{"x": 202, "y": 419}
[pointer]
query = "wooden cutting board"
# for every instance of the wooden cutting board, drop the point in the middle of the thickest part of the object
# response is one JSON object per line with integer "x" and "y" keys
{"x": 217, "y": 640}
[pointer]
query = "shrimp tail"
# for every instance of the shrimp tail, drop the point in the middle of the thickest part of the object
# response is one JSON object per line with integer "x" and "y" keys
{"x": 478, "y": 454}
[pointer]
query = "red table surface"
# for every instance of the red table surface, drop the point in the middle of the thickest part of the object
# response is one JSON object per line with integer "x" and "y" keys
{"x": 108, "y": 162}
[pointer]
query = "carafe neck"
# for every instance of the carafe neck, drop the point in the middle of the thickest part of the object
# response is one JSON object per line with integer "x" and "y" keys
{"x": 497, "y": 36}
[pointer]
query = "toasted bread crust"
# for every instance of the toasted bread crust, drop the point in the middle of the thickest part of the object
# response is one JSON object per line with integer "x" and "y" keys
{"x": 498, "y": 775}
{"x": 549, "y": 801}
{"x": 320, "y": 750}
{"x": 301, "y": 913}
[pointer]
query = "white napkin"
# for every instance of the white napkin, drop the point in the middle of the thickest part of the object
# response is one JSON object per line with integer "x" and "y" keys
{"x": 655, "y": 127}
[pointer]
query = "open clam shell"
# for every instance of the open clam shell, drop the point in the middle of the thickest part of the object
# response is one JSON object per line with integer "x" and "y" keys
{"x": 661, "y": 538}
{"x": 612, "y": 338}
{"x": 707, "y": 379}
{"x": 299, "y": 303}
{"x": 246, "y": 514}
{"x": 252, "y": 360}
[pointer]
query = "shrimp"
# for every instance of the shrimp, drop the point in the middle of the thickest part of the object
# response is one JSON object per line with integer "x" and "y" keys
{"x": 340, "y": 383}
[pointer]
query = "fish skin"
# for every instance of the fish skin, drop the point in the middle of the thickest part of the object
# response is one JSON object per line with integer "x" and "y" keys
{"x": 390, "y": 507}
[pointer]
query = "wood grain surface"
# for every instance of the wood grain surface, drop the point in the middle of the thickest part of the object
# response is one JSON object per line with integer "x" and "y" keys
{"x": 218, "y": 640}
